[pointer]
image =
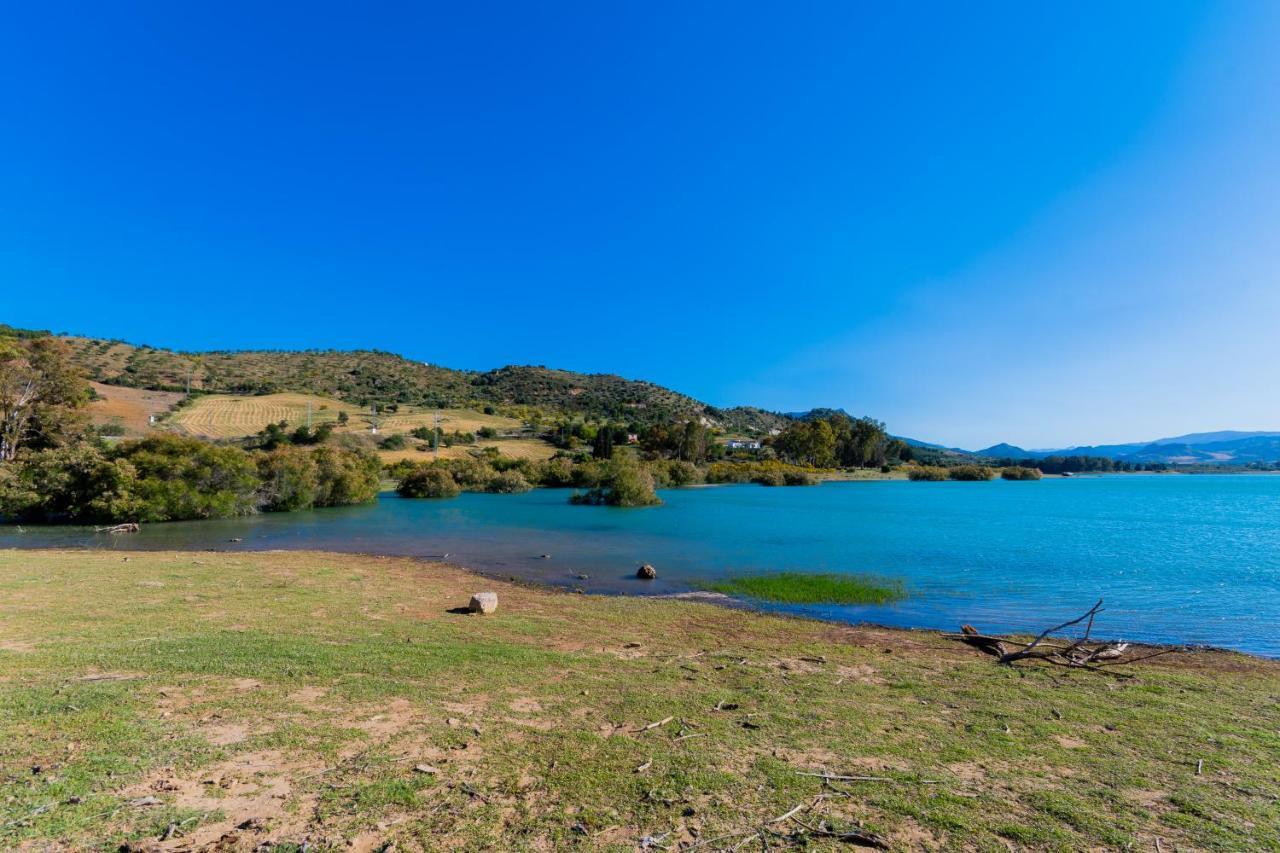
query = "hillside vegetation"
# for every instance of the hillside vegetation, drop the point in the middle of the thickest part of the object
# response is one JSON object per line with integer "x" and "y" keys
{"x": 362, "y": 377}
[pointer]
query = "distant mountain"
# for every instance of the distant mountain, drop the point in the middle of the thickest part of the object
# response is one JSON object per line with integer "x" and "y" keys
{"x": 1227, "y": 447}
{"x": 1213, "y": 437}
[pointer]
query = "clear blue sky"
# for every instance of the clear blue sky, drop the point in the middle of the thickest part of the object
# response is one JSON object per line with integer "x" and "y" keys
{"x": 979, "y": 222}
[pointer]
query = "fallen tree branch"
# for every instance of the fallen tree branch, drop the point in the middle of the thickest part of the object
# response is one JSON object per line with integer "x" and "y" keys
{"x": 1082, "y": 653}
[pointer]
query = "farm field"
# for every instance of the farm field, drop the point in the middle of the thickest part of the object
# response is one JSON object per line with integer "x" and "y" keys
{"x": 286, "y": 701}
{"x": 129, "y": 408}
{"x": 518, "y": 448}
{"x": 224, "y": 416}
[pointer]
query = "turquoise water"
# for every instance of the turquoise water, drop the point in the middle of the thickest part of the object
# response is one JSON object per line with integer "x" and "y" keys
{"x": 1192, "y": 559}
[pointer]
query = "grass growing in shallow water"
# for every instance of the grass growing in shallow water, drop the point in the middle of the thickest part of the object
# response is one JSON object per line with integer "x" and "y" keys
{"x": 797, "y": 588}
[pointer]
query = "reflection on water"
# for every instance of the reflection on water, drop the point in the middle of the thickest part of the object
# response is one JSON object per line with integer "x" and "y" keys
{"x": 1178, "y": 558}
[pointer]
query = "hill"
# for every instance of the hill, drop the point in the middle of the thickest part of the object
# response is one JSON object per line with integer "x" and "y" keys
{"x": 362, "y": 377}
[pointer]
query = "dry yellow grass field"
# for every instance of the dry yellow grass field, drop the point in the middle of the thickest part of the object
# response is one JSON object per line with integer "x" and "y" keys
{"x": 227, "y": 416}
{"x": 218, "y": 416}
{"x": 130, "y": 408}
{"x": 518, "y": 448}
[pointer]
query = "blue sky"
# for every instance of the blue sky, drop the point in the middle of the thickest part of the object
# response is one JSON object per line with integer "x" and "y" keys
{"x": 978, "y": 222}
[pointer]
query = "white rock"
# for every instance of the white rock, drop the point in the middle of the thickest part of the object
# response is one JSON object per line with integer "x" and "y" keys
{"x": 484, "y": 602}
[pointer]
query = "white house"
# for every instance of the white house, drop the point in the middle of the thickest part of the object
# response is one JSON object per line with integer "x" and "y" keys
{"x": 742, "y": 444}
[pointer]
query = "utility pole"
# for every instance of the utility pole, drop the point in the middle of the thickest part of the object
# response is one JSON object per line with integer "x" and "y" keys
{"x": 308, "y": 416}
{"x": 374, "y": 419}
{"x": 436, "y": 443}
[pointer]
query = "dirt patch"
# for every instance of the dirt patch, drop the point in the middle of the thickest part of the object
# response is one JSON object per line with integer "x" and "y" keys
{"x": 308, "y": 695}
{"x": 256, "y": 793}
{"x": 16, "y": 646}
{"x": 1070, "y": 742}
{"x": 225, "y": 734}
{"x": 526, "y": 705}
{"x": 859, "y": 673}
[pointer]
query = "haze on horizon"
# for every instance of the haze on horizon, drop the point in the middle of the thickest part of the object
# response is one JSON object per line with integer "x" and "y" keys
{"x": 1046, "y": 226}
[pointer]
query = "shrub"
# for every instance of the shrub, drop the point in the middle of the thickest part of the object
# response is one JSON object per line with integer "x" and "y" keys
{"x": 555, "y": 473}
{"x": 508, "y": 483}
{"x": 1016, "y": 472}
{"x": 769, "y": 477}
{"x": 624, "y": 483}
{"x": 487, "y": 432}
{"x": 931, "y": 473}
{"x": 78, "y": 483}
{"x": 345, "y": 477}
{"x": 428, "y": 481}
{"x": 971, "y": 472}
{"x": 799, "y": 478}
{"x": 289, "y": 480}
{"x": 681, "y": 473}
{"x": 182, "y": 478}
{"x": 472, "y": 474}
{"x": 393, "y": 442}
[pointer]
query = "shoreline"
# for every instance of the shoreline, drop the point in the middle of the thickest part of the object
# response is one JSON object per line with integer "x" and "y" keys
{"x": 689, "y": 596}
{"x": 317, "y": 699}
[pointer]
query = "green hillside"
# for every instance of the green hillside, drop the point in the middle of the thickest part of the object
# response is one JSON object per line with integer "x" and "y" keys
{"x": 369, "y": 376}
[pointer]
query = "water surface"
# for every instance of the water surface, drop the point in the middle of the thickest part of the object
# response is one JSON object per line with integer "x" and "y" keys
{"x": 1178, "y": 558}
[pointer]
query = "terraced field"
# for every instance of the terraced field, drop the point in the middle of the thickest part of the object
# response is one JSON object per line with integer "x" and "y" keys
{"x": 223, "y": 416}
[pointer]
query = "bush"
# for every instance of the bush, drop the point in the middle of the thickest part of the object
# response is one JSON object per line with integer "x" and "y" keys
{"x": 393, "y": 442}
{"x": 181, "y": 478}
{"x": 74, "y": 484}
{"x": 971, "y": 472}
{"x": 1017, "y": 472}
{"x": 345, "y": 477}
{"x": 508, "y": 483}
{"x": 472, "y": 474}
{"x": 930, "y": 473}
{"x": 289, "y": 480}
{"x": 428, "y": 481}
{"x": 681, "y": 473}
{"x": 555, "y": 473}
{"x": 487, "y": 432}
{"x": 799, "y": 478}
{"x": 769, "y": 477}
{"x": 624, "y": 483}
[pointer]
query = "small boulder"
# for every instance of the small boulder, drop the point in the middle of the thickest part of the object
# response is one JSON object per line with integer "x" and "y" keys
{"x": 484, "y": 602}
{"x": 646, "y": 572}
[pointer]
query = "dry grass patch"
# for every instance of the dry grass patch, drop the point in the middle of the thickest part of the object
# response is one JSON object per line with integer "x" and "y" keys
{"x": 130, "y": 408}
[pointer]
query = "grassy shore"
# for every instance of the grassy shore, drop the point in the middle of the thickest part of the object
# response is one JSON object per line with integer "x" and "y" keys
{"x": 180, "y": 700}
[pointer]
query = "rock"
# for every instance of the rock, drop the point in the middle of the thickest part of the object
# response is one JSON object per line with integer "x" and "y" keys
{"x": 484, "y": 602}
{"x": 646, "y": 572}
{"x": 545, "y": 557}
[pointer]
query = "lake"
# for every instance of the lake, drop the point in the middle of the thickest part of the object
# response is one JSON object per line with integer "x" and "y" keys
{"x": 1178, "y": 558}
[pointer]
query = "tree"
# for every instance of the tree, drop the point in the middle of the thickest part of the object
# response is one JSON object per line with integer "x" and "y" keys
{"x": 602, "y": 447}
{"x": 41, "y": 395}
{"x": 428, "y": 481}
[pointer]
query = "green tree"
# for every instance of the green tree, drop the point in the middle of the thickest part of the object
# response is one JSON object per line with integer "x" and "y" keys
{"x": 42, "y": 395}
{"x": 428, "y": 481}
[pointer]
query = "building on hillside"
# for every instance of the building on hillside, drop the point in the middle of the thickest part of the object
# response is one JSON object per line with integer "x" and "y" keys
{"x": 742, "y": 444}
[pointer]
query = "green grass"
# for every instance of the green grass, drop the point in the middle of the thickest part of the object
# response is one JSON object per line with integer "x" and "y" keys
{"x": 296, "y": 693}
{"x": 799, "y": 588}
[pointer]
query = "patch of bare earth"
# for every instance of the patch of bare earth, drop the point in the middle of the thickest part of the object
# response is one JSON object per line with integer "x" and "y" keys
{"x": 254, "y": 792}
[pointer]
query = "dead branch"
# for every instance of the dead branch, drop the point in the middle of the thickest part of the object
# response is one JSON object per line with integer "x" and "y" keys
{"x": 1082, "y": 653}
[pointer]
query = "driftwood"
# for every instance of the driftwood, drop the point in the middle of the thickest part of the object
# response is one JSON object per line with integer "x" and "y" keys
{"x": 127, "y": 527}
{"x": 1082, "y": 653}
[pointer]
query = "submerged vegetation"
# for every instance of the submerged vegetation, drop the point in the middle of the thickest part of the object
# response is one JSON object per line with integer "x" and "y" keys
{"x": 801, "y": 588}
